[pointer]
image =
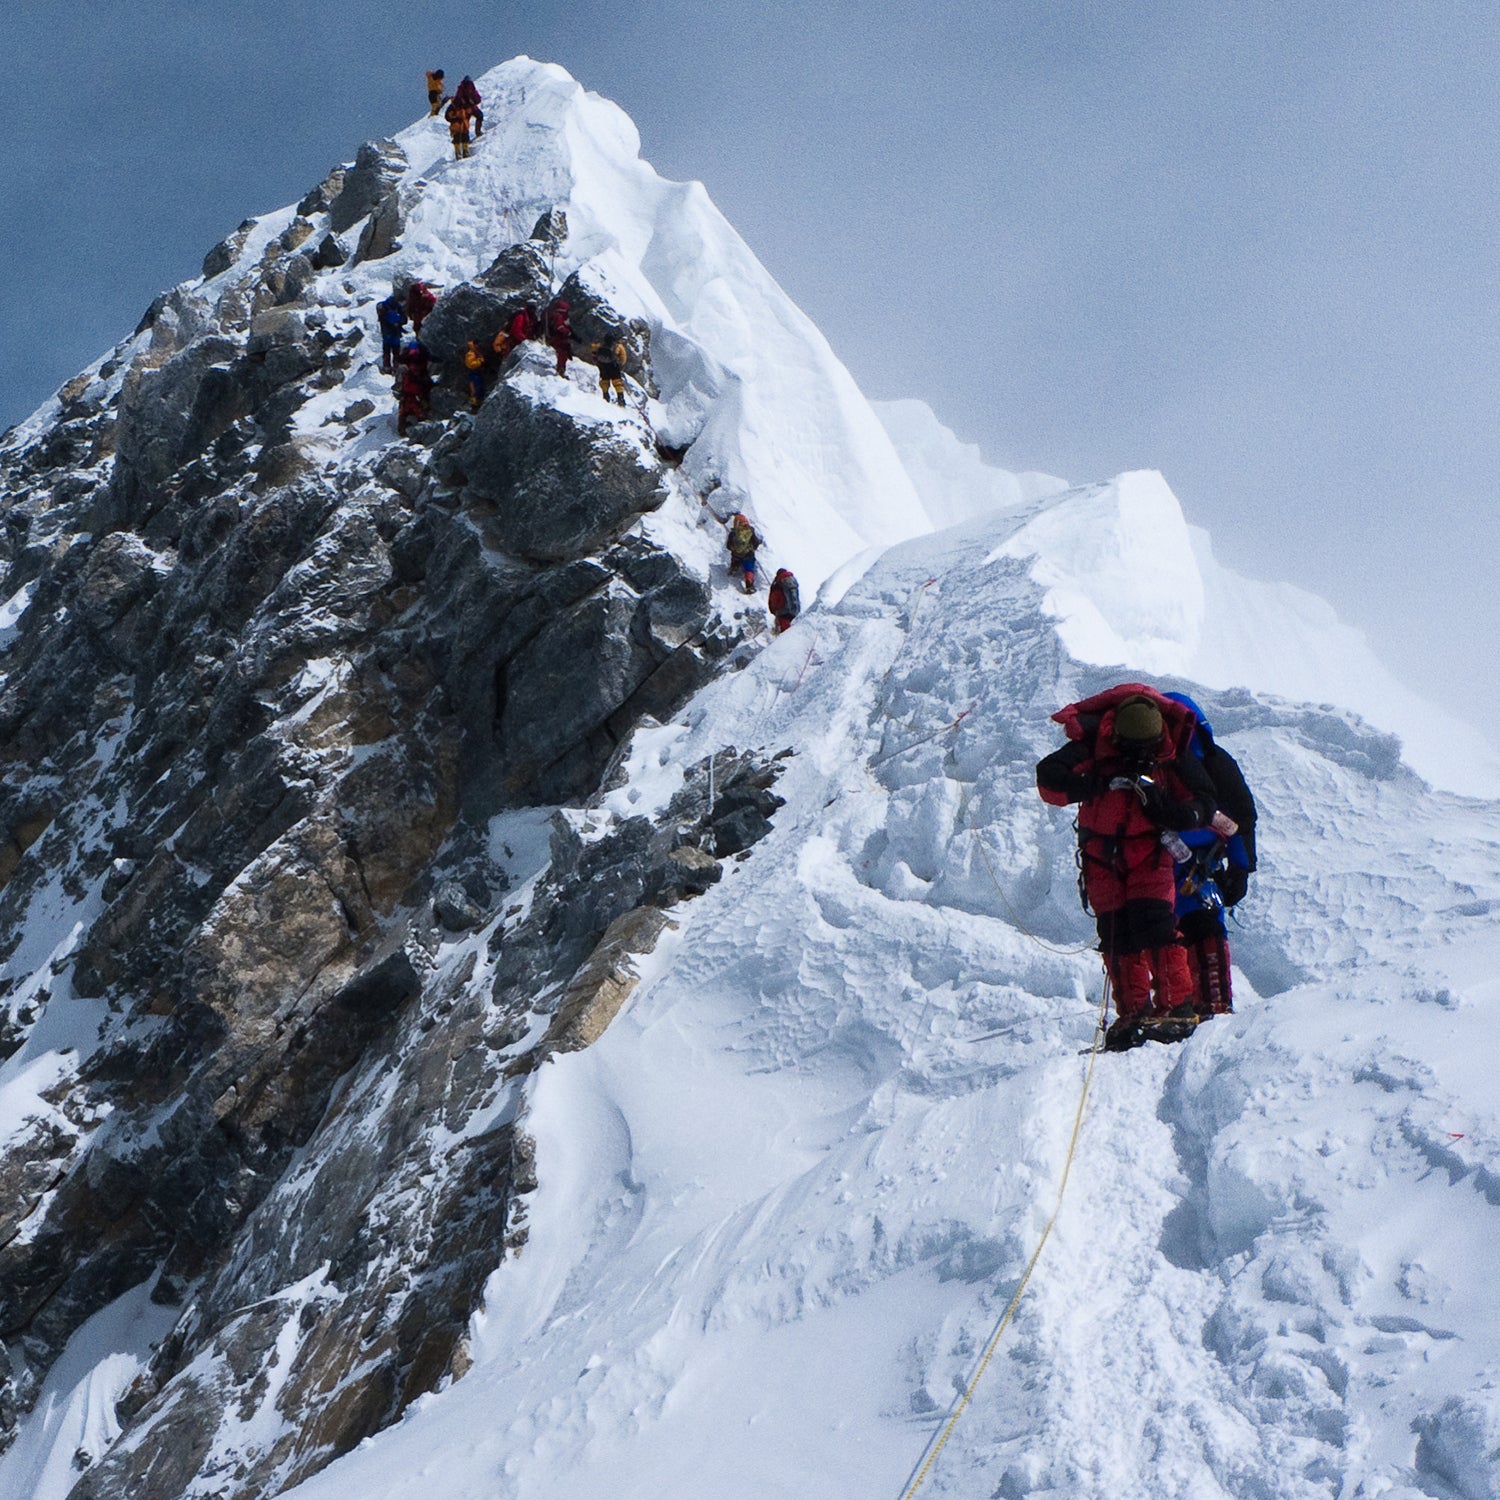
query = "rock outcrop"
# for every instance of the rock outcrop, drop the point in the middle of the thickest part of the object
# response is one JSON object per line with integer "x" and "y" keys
{"x": 377, "y": 168}
{"x": 264, "y": 704}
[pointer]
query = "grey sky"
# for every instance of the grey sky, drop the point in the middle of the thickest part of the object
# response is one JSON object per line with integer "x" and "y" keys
{"x": 1253, "y": 245}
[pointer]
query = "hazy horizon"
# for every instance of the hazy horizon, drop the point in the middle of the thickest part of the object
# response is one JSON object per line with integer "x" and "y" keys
{"x": 1254, "y": 250}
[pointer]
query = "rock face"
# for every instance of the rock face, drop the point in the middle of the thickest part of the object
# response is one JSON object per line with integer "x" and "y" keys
{"x": 377, "y": 168}
{"x": 266, "y": 703}
{"x": 559, "y": 489}
{"x": 480, "y": 309}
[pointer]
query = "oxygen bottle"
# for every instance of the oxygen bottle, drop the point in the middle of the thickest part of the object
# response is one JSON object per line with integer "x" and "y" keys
{"x": 1174, "y": 845}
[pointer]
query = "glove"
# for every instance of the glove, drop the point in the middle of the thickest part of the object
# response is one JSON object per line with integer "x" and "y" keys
{"x": 1233, "y": 883}
{"x": 1165, "y": 810}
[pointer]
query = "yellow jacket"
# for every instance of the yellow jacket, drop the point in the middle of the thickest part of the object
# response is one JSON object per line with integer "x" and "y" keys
{"x": 606, "y": 353}
{"x": 473, "y": 359}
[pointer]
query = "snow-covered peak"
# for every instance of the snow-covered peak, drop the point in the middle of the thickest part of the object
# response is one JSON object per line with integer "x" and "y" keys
{"x": 776, "y": 423}
{"x": 1118, "y": 566}
{"x": 1133, "y": 585}
{"x": 953, "y": 481}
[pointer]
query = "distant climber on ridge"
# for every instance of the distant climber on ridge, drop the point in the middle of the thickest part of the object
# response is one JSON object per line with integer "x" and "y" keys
{"x": 560, "y": 333}
{"x": 458, "y": 129}
{"x": 474, "y": 373}
{"x": 434, "y": 91}
{"x": 783, "y": 600}
{"x": 610, "y": 355}
{"x": 420, "y": 300}
{"x": 1218, "y": 874}
{"x": 392, "y": 319}
{"x": 469, "y": 96}
{"x": 1129, "y": 765}
{"x": 742, "y": 541}
{"x": 525, "y": 323}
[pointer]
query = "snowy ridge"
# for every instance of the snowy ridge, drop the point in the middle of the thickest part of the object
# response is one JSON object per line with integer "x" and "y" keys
{"x": 774, "y": 419}
{"x": 785, "y": 1196}
{"x": 1133, "y": 584}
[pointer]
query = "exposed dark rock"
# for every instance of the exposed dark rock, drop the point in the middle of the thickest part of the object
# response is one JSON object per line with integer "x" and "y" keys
{"x": 520, "y": 274}
{"x": 382, "y": 233}
{"x": 227, "y": 251}
{"x": 331, "y": 252}
{"x": 378, "y": 166}
{"x": 467, "y": 311}
{"x": 691, "y": 871}
{"x": 176, "y": 411}
{"x": 266, "y": 697}
{"x": 320, "y": 198}
{"x": 560, "y": 488}
{"x": 453, "y": 908}
{"x": 296, "y": 277}
{"x": 356, "y": 411}
{"x": 295, "y": 234}
{"x": 604, "y": 982}
{"x": 551, "y": 229}
{"x": 742, "y": 812}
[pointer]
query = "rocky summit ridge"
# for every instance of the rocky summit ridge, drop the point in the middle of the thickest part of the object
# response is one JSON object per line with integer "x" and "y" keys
{"x": 305, "y": 741}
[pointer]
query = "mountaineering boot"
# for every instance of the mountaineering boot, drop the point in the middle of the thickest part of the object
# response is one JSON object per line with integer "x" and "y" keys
{"x": 1176, "y": 1025}
{"x": 1123, "y": 1033}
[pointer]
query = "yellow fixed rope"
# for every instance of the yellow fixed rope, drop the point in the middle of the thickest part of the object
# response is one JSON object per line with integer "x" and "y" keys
{"x": 939, "y": 1441}
{"x": 946, "y": 1431}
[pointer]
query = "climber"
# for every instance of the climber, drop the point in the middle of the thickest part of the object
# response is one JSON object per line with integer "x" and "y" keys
{"x": 742, "y": 541}
{"x": 560, "y": 334}
{"x": 474, "y": 365}
{"x": 1128, "y": 764}
{"x": 524, "y": 324}
{"x": 1218, "y": 874}
{"x": 420, "y": 300}
{"x": 470, "y": 97}
{"x": 413, "y": 385}
{"x": 458, "y": 129}
{"x": 392, "y": 319}
{"x": 434, "y": 91}
{"x": 415, "y": 356}
{"x": 414, "y": 391}
{"x": 783, "y": 600}
{"x": 610, "y": 354}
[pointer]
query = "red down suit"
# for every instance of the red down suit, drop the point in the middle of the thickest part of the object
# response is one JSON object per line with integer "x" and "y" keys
{"x": 1127, "y": 872}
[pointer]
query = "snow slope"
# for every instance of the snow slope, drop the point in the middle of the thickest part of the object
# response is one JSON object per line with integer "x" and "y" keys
{"x": 784, "y": 1198}
{"x": 1133, "y": 585}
